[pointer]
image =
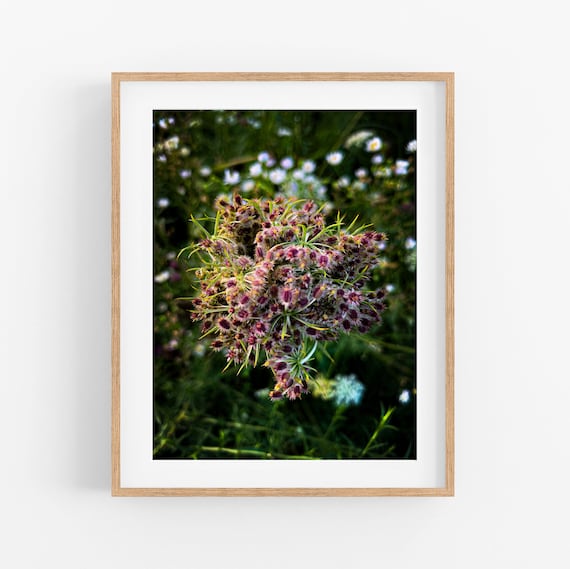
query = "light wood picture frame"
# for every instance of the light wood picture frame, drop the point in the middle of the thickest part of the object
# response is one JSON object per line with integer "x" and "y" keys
{"x": 134, "y": 473}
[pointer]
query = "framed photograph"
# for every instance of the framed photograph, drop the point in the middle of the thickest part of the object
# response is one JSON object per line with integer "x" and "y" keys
{"x": 282, "y": 307}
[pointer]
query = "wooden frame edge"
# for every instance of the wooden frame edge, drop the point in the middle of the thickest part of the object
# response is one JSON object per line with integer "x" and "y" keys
{"x": 284, "y": 492}
{"x": 450, "y": 283}
{"x": 116, "y": 284}
{"x": 449, "y": 489}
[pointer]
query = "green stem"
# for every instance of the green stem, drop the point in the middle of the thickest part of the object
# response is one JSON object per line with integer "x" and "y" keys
{"x": 381, "y": 424}
{"x": 252, "y": 452}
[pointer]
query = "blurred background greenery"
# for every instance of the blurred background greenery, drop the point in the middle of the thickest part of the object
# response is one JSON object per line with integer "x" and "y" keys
{"x": 363, "y": 402}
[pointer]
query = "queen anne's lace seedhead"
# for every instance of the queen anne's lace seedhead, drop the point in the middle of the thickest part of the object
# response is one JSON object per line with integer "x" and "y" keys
{"x": 276, "y": 280}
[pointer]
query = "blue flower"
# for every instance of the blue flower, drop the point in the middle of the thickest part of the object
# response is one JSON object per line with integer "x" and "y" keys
{"x": 347, "y": 390}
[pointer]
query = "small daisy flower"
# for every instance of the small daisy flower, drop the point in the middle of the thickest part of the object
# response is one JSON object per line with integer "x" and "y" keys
{"x": 205, "y": 171}
{"x": 412, "y": 146}
{"x": 185, "y": 151}
{"x": 377, "y": 159}
{"x": 170, "y": 120}
{"x": 335, "y": 158}
{"x": 171, "y": 143}
{"x": 255, "y": 169}
{"x": 287, "y": 163}
{"x": 185, "y": 174}
{"x": 248, "y": 185}
{"x": 404, "y": 397}
{"x": 199, "y": 349}
{"x": 410, "y": 243}
{"x": 308, "y": 166}
{"x": 161, "y": 158}
{"x": 361, "y": 173}
{"x": 163, "y": 202}
{"x": 263, "y": 157}
{"x": 374, "y": 144}
{"x": 162, "y": 123}
{"x": 231, "y": 177}
{"x": 298, "y": 174}
{"x": 402, "y": 167}
{"x": 162, "y": 277}
{"x": 343, "y": 182}
{"x": 390, "y": 287}
{"x": 284, "y": 131}
{"x": 277, "y": 176}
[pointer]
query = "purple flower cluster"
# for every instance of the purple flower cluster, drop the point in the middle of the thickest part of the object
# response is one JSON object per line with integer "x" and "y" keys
{"x": 276, "y": 280}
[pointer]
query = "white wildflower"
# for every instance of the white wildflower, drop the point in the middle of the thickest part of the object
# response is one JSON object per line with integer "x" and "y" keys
{"x": 308, "y": 166}
{"x": 277, "y": 176}
{"x": 162, "y": 277}
{"x": 343, "y": 182}
{"x": 402, "y": 167}
{"x": 335, "y": 158}
{"x": 199, "y": 349}
{"x": 255, "y": 169}
{"x": 374, "y": 144}
{"x": 247, "y": 186}
{"x": 287, "y": 163}
{"x": 171, "y": 143}
{"x": 231, "y": 177}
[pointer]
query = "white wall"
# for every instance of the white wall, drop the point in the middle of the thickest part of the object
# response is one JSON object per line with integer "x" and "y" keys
{"x": 513, "y": 202}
